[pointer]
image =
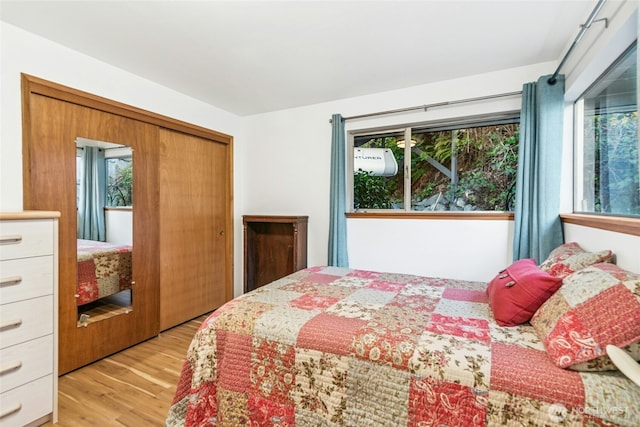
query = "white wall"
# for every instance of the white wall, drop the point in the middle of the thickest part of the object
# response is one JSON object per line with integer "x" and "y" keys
{"x": 119, "y": 225}
{"x": 600, "y": 46}
{"x": 625, "y": 247}
{"x": 24, "y": 52}
{"x": 464, "y": 249}
{"x": 287, "y": 172}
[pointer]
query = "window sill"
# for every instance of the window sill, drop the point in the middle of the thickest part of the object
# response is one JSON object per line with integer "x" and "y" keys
{"x": 624, "y": 225}
{"x": 441, "y": 215}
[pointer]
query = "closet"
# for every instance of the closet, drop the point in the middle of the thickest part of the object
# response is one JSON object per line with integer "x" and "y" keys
{"x": 192, "y": 226}
{"x": 182, "y": 212}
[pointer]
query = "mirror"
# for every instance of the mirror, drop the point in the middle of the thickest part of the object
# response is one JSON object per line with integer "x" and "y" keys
{"x": 104, "y": 196}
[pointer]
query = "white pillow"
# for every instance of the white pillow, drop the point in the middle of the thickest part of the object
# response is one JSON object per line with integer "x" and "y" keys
{"x": 625, "y": 363}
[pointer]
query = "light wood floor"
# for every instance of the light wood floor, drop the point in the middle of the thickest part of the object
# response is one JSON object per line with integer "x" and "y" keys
{"x": 131, "y": 388}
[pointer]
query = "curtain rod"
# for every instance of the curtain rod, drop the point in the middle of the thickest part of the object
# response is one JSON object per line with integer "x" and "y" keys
{"x": 583, "y": 29}
{"x": 427, "y": 106}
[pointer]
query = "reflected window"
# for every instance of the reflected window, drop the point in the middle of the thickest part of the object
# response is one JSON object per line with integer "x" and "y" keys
{"x": 79, "y": 172}
{"x": 119, "y": 182}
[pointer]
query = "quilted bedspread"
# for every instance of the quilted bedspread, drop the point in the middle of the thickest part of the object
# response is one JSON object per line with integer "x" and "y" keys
{"x": 103, "y": 269}
{"x": 329, "y": 346}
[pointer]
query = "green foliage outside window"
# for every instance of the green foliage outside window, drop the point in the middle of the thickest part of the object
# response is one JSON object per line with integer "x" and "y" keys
{"x": 119, "y": 182}
{"x": 486, "y": 159}
{"x": 370, "y": 192}
{"x": 490, "y": 175}
{"x": 616, "y": 178}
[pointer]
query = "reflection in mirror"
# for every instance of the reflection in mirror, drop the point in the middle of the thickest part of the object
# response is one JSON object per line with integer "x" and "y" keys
{"x": 104, "y": 187}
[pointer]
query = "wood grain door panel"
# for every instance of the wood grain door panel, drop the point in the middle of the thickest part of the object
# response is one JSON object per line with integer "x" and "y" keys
{"x": 50, "y": 155}
{"x": 193, "y": 257}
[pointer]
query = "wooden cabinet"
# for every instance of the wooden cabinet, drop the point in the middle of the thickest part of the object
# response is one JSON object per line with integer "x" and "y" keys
{"x": 28, "y": 318}
{"x": 274, "y": 246}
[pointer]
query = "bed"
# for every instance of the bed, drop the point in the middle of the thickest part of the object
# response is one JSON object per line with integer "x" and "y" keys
{"x": 104, "y": 269}
{"x": 329, "y": 346}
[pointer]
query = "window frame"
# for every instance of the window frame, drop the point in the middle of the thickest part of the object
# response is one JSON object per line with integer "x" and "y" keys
{"x": 124, "y": 152}
{"x": 118, "y": 157}
{"x": 610, "y": 222}
{"x": 579, "y": 136}
{"x": 488, "y": 119}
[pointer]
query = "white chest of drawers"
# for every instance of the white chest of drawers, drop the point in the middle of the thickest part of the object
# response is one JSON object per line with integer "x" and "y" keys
{"x": 28, "y": 318}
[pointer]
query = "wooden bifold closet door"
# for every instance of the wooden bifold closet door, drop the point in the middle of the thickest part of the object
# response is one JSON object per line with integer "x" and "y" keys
{"x": 193, "y": 256}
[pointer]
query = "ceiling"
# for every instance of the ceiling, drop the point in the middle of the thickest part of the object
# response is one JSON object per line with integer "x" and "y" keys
{"x": 249, "y": 57}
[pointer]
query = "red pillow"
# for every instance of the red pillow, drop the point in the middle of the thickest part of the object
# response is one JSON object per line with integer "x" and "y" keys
{"x": 519, "y": 290}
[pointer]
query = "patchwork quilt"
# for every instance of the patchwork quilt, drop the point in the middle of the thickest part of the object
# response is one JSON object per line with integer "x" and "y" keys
{"x": 330, "y": 346}
{"x": 103, "y": 269}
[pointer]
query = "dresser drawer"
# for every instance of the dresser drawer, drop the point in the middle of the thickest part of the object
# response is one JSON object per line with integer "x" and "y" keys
{"x": 26, "y": 403}
{"x": 25, "y": 320}
{"x": 20, "y": 239}
{"x": 25, "y": 278}
{"x": 23, "y": 363}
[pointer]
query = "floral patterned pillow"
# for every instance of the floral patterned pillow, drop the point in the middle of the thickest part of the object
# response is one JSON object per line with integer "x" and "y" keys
{"x": 570, "y": 257}
{"x": 595, "y": 306}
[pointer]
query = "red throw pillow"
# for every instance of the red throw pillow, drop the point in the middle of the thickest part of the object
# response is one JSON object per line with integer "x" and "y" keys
{"x": 519, "y": 290}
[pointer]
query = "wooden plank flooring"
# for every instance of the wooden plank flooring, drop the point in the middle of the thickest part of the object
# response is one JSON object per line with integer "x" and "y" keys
{"x": 131, "y": 388}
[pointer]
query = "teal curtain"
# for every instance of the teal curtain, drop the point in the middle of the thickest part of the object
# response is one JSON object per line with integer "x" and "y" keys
{"x": 338, "y": 197}
{"x": 537, "y": 228}
{"x": 93, "y": 191}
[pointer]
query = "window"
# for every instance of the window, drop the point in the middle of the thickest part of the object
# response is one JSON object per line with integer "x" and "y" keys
{"x": 465, "y": 166}
{"x": 119, "y": 181}
{"x": 606, "y": 178}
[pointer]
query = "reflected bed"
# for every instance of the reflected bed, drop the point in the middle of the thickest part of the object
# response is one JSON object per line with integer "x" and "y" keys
{"x": 104, "y": 269}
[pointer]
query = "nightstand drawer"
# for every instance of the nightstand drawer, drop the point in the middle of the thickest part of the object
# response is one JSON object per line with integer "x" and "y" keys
{"x": 21, "y": 239}
{"x": 25, "y": 278}
{"x": 26, "y": 403}
{"x": 23, "y": 363}
{"x": 25, "y": 320}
